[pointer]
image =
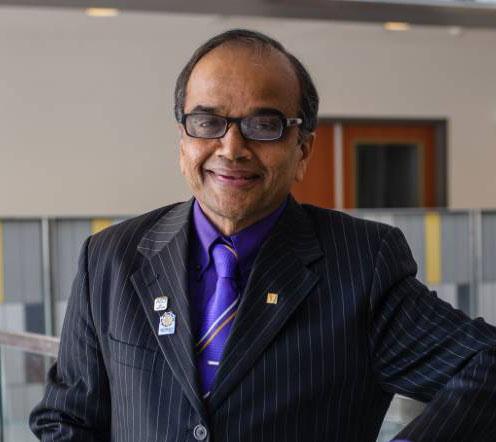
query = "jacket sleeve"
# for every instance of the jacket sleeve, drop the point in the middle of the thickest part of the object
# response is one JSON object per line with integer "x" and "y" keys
{"x": 76, "y": 402}
{"x": 423, "y": 348}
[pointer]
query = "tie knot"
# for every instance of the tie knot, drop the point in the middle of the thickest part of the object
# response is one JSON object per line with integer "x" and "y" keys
{"x": 225, "y": 260}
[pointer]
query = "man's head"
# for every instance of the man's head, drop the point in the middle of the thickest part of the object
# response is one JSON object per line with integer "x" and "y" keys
{"x": 238, "y": 179}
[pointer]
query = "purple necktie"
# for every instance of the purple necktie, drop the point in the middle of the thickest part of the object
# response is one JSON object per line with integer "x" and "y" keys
{"x": 218, "y": 315}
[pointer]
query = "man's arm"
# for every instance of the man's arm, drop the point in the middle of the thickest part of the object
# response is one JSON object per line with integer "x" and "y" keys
{"x": 423, "y": 348}
{"x": 76, "y": 403}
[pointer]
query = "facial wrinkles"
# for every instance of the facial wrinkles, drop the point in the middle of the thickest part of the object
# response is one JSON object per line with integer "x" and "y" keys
{"x": 235, "y": 84}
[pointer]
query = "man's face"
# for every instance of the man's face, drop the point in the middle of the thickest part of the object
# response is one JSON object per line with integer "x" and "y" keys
{"x": 239, "y": 181}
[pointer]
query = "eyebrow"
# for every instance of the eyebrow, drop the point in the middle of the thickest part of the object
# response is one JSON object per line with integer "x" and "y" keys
{"x": 267, "y": 110}
{"x": 206, "y": 109}
{"x": 255, "y": 111}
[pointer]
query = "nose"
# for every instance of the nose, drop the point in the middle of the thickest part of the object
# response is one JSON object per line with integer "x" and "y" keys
{"x": 233, "y": 146}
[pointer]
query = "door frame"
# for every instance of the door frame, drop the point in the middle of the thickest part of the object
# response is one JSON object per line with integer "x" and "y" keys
{"x": 441, "y": 196}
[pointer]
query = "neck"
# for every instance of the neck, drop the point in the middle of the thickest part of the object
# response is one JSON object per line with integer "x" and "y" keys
{"x": 231, "y": 226}
{"x": 227, "y": 226}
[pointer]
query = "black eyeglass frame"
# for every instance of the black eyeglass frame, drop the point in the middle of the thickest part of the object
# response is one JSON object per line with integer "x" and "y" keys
{"x": 285, "y": 123}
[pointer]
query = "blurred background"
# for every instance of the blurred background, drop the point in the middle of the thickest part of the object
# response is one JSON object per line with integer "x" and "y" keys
{"x": 407, "y": 136}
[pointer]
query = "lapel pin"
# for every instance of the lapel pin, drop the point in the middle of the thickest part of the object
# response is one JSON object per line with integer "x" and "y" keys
{"x": 160, "y": 303}
{"x": 272, "y": 298}
{"x": 167, "y": 324}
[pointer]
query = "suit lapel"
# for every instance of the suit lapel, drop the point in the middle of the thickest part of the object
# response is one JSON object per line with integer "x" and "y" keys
{"x": 164, "y": 273}
{"x": 280, "y": 267}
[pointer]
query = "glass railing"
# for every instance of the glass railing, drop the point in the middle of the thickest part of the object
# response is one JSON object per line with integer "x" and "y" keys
{"x": 24, "y": 362}
{"x": 400, "y": 413}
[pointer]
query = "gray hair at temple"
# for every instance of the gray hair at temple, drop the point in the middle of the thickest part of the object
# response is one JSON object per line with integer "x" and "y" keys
{"x": 309, "y": 98}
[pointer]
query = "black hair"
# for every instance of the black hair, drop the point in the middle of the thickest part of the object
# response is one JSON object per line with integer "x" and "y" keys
{"x": 309, "y": 98}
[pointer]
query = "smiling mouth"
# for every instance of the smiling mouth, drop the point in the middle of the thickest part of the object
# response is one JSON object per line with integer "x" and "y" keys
{"x": 233, "y": 177}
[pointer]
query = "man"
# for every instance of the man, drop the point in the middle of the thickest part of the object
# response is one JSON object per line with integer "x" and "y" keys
{"x": 243, "y": 316}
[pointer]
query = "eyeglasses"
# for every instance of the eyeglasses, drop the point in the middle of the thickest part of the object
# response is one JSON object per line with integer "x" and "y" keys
{"x": 269, "y": 127}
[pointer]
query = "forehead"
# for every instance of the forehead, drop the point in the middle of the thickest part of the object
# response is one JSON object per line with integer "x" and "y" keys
{"x": 235, "y": 79}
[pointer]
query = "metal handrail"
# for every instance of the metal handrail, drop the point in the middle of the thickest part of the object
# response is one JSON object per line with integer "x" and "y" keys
{"x": 31, "y": 342}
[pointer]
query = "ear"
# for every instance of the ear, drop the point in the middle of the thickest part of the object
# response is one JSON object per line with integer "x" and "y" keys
{"x": 306, "y": 150}
{"x": 182, "y": 136}
{"x": 182, "y": 133}
{"x": 180, "y": 129}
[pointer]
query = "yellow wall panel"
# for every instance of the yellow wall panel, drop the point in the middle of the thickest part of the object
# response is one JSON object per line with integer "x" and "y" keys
{"x": 2, "y": 281}
{"x": 99, "y": 224}
{"x": 433, "y": 248}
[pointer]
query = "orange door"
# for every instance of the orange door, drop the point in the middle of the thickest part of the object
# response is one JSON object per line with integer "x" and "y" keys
{"x": 318, "y": 186}
{"x": 419, "y": 138}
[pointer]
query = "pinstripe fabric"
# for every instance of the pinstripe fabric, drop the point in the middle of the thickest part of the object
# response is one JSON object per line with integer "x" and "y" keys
{"x": 351, "y": 327}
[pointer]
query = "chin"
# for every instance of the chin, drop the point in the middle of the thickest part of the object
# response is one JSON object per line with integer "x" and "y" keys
{"x": 231, "y": 209}
{"x": 233, "y": 213}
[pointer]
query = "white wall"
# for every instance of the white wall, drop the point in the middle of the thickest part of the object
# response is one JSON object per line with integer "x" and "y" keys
{"x": 86, "y": 124}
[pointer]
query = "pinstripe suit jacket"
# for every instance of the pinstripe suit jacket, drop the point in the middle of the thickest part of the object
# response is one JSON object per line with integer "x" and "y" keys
{"x": 352, "y": 326}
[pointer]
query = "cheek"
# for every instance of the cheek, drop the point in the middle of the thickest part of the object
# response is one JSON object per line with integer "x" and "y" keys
{"x": 191, "y": 158}
{"x": 282, "y": 168}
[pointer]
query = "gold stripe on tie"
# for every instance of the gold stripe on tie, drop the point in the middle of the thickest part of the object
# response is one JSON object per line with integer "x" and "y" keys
{"x": 231, "y": 250}
{"x": 433, "y": 260}
{"x": 2, "y": 282}
{"x": 98, "y": 224}
{"x": 217, "y": 331}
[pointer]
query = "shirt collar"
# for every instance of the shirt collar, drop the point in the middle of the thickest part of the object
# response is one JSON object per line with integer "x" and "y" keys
{"x": 247, "y": 242}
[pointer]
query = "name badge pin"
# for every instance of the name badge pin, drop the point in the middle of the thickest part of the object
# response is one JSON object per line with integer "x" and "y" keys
{"x": 167, "y": 324}
{"x": 160, "y": 303}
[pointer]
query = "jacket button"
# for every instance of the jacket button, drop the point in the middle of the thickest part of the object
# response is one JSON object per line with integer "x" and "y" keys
{"x": 200, "y": 432}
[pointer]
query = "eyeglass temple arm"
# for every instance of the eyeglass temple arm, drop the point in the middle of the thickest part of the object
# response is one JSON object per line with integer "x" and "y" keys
{"x": 293, "y": 122}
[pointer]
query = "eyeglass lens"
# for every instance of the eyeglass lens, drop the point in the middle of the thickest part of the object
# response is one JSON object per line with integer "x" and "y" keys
{"x": 256, "y": 127}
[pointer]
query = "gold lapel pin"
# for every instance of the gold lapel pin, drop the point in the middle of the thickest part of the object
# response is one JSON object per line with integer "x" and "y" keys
{"x": 272, "y": 298}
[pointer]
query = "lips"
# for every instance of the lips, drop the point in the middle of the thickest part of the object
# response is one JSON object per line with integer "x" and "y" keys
{"x": 233, "y": 177}
{"x": 234, "y": 174}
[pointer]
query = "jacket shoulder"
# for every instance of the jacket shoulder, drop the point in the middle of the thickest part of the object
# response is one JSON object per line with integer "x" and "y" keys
{"x": 123, "y": 237}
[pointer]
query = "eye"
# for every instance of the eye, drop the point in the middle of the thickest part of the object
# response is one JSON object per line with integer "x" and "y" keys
{"x": 208, "y": 121}
{"x": 200, "y": 120}
{"x": 265, "y": 123}
{"x": 205, "y": 122}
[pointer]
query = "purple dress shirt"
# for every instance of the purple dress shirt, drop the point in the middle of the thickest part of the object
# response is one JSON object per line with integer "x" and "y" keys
{"x": 201, "y": 271}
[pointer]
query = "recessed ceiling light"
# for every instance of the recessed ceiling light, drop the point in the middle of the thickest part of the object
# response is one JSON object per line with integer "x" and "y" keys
{"x": 396, "y": 26}
{"x": 101, "y": 12}
{"x": 455, "y": 31}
